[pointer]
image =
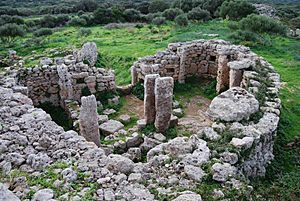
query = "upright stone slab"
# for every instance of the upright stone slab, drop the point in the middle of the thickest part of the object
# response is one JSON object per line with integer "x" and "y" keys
{"x": 88, "y": 119}
{"x": 149, "y": 98}
{"x": 223, "y": 74}
{"x": 163, "y": 102}
{"x": 88, "y": 53}
{"x": 65, "y": 83}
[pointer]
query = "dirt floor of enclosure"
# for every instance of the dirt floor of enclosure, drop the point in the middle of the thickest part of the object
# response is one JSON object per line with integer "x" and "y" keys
{"x": 194, "y": 112}
{"x": 195, "y": 116}
{"x": 134, "y": 105}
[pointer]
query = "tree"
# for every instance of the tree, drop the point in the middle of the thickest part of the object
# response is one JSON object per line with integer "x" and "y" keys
{"x": 9, "y": 32}
{"x": 212, "y": 6}
{"x": 77, "y": 21}
{"x": 187, "y": 5}
{"x": 107, "y": 15}
{"x": 158, "y": 6}
{"x": 132, "y": 15}
{"x": 182, "y": 20}
{"x": 236, "y": 9}
{"x": 171, "y": 13}
{"x": 295, "y": 22}
{"x": 199, "y": 14}
{"x": 87, "y": 5}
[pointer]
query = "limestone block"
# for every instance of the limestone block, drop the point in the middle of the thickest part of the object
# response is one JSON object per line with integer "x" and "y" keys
{"x": 163, "y": 102}
{"x": 149, "y": 98}
{"x": 88, "y": 119}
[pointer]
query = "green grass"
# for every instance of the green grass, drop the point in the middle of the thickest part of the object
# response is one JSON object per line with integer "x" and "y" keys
{"x": 119, "y": 48}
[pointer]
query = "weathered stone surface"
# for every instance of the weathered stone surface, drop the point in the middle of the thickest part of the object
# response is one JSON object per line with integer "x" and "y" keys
{"x": 43, "y": 195}
{"x": 188, "y": 196}
{"x": 163, "y": 102}
{"x": 125, "y": 118}
{"x": 221, "y": 172}
{"x": 246, "y": 142}
{"x": 88, "y": 119}
{"x": 223, "y": 73}
{"x": 193, "y": 172}
{"x": 209, "y": 133}
{"x": 234, "y": 104}
{"x": 88, "y": 53}
{"x": 149, "y": 98}
{"x": 110, "y": 127}
{"x": 118, "y": 163}
{"x": 7, "y": 195}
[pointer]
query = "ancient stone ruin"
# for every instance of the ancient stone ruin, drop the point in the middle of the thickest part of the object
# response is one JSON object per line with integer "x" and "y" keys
{"x": 237, "y": 145}
{"x": 158, "y": 101}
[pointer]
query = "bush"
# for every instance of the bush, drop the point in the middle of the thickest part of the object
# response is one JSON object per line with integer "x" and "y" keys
{"x": 138, "y": 90}
{"x": 6, "y": 19}
{"x": 187, "y": 5}
{"x": 159, "y": 21}
{"x": 107, "y": 15}
{"x": 295, "y": 22}
{"x": 212, "y": 6}
{"x": 42, "y": 32}
{"x": 262, "y": 24}
{"x": 149, "y": 17}
{"x": 51, "y": 21}
{"x": 132, "y": 15}
{"x": 9, "y": 32}
{"x": 182, "y": 20}
{"x": 172, "y": 13}
{"x": 84, "y": 32}
{"x": 158, "y": 6}
{"x": 199, "y": 14}
{"x": 77, "y": 21}
{"x": 236, "y": 9}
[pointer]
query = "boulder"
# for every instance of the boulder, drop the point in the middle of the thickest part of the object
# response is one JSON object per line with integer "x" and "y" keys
{"x": 110, "y": 127}
{"x": 193, "y": 172}
{"x": 7, "y": 195}
{"x": 234, "y": 104}
{"x": 88, "y": 53}
{"x": 188, "y": 196}
{"x": 119, "y": 164}
{"x": 43, "y": 195}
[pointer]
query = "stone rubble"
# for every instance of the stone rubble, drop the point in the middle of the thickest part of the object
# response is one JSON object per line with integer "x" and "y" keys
{"x": 139, "y": 167}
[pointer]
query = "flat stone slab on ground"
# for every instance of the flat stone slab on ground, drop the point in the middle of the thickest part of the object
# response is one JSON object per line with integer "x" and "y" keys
{"x": 110, "y": 127}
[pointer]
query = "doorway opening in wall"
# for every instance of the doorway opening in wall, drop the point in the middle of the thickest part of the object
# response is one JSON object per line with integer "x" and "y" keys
{"x": 58, "y": 115}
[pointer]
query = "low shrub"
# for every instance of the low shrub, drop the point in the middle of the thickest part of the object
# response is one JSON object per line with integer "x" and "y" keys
{"x": 159, "y": 21}
{"x": 77, "y": 21}
{"x": 43, "y": 32}
{"x": 83, "y": 32}
{"x": 138, "y": 90}
{"x": 198, "y": 14}
{"x": 262, "y": 24}
{"x": 172, "y": 13}
{"x": 182, "y": 20}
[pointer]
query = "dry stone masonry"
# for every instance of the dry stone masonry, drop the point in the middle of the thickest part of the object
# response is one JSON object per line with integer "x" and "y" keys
{"x": 238, "y": 144}
{"x": 65, "y": 79}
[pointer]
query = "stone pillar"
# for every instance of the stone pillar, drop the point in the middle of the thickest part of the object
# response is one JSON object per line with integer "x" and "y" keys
{"x": 163, "y": 102}
{"x": 235, "y": 78}
{"x": 223, "y": 74}
{"x": 88, "y": 119}
{"x": 183, "y": 58}
{"x": 134, "y": 76}
{"x": 65, "y": 84}
{"x": 149, "y": 98}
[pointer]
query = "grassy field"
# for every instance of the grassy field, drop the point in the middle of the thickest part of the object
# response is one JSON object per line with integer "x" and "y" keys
{"x": 119, "y": 48}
